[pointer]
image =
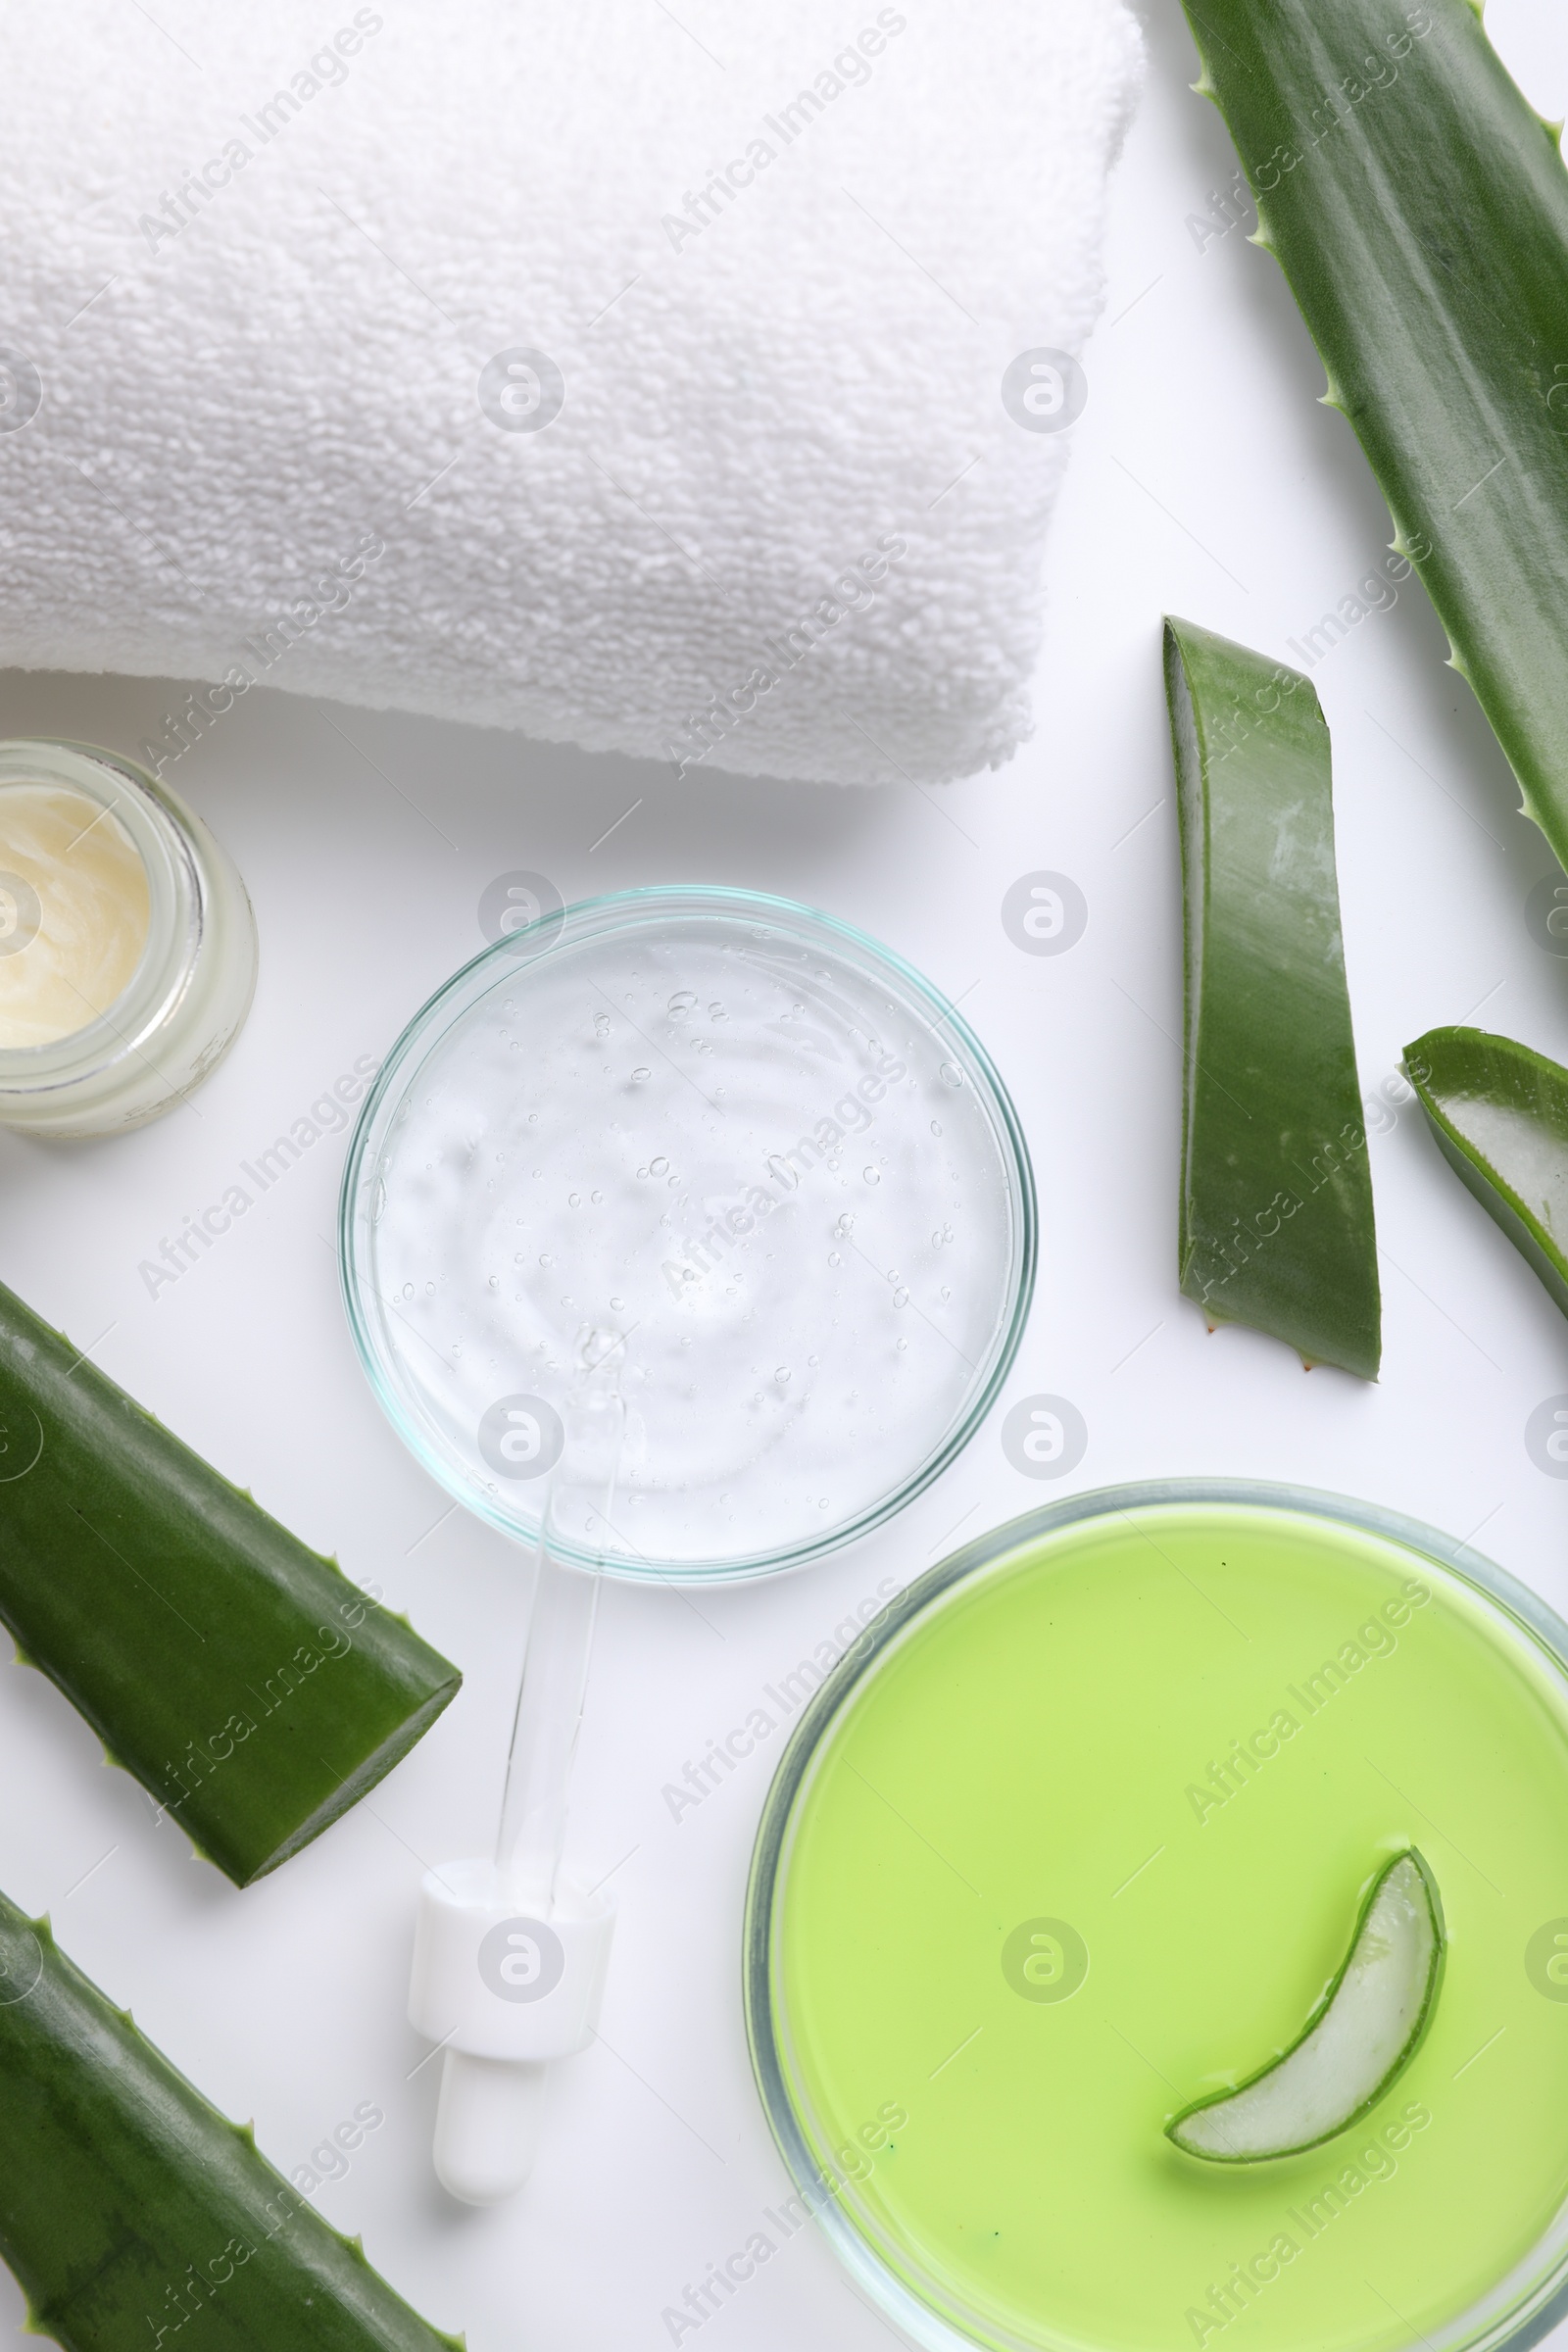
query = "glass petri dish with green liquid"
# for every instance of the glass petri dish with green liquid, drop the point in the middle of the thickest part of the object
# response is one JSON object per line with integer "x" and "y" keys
{"x": 1076, "y": 1836}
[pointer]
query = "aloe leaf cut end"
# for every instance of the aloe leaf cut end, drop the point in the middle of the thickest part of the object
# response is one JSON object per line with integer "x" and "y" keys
{"x": 1275, "y": 1214}
{"x": 1499, "y": 1115}
{"x": 253, "y": 1690}
{"x": 1355, "y": 2045}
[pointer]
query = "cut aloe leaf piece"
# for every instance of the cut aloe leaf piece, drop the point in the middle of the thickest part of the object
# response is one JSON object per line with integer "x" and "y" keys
{"x": 252, "y": 1689}
{"x": 1499, "y": 1113}
{"x": 1418, "y": 207}
{"x": 1276, "y": 1222}
{"x": 130, "y": 2209}
{"x": 1357, "y": 2043}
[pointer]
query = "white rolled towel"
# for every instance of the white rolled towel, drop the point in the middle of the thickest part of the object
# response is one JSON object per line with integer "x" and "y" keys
{"x": 687, "y": 382}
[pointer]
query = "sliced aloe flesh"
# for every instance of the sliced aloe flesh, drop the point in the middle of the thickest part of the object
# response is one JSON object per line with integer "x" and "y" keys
{"x": 1418, "y": 207}
{"x": 1276, "y": 1222}
{"x": 1357, "y": 2042}
{"x": 1499, "y": 1113}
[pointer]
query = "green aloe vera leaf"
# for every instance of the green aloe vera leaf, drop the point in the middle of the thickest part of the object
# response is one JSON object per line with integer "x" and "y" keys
{"x": 131, "y": 2210}
{"x": 1499, "y": 1113}
{"x": 1276, "y": 1199}
{"x": 1418, "y": 207}
{"x": 249, "y": 1687}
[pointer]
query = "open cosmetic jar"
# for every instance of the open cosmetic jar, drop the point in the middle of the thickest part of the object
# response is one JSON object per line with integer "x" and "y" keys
{"x": 128, "y": 946}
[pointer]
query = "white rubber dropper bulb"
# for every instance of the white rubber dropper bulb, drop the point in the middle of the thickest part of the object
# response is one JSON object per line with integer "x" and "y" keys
{"x": 488, "y": 2126}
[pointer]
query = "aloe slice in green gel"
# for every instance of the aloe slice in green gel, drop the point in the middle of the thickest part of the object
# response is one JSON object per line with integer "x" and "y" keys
{"x": 132, "y": 2211}
{"x": 1276, "y": 1224}
{"x": 1022, "y": 1751}
{"x": 1418, "y": 207}
{"x": 1355, "y": 2045}
{"x": 1499, "y": 1113}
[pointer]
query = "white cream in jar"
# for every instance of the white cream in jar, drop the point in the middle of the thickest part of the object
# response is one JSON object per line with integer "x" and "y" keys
{"x": 73, "y": 909}
{"x": 128, "y": 947}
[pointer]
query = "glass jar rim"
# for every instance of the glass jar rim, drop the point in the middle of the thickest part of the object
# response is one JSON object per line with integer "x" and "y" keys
{"x": 176, "y": 912}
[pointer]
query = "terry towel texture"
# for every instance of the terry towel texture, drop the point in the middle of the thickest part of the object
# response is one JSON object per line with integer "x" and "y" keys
{"x": 555, "y": 363}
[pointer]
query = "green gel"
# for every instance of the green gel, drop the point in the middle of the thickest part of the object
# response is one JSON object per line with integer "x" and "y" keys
{"x": 1037, "y": 1747}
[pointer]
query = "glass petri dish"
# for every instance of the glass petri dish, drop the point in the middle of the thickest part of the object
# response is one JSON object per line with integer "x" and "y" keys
{"x": 737, "y": 1145}
{"x": 1076, "y": 1835}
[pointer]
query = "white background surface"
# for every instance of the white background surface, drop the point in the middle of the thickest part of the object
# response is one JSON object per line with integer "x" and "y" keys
{"x": 1203, "y": 481}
